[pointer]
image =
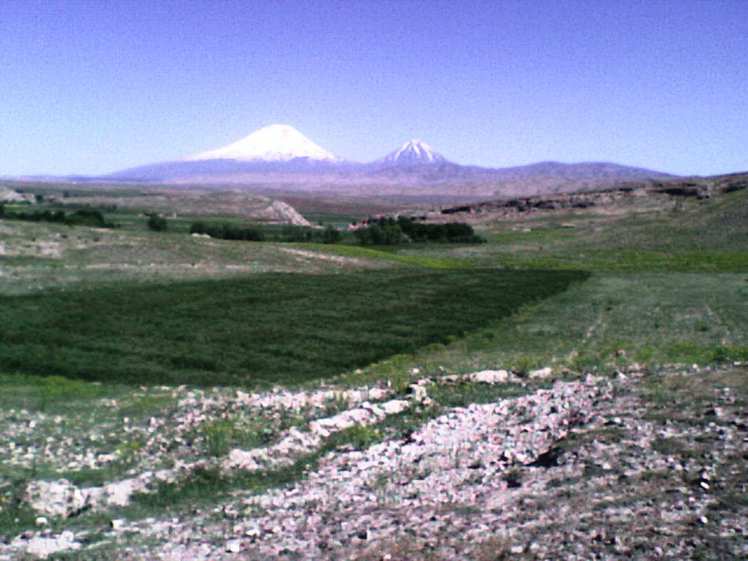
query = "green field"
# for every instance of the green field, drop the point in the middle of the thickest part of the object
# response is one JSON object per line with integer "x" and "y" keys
{"x": 680, "y": 236}
{"x": 666, "y": 284}
{"x": 273, "y": 328}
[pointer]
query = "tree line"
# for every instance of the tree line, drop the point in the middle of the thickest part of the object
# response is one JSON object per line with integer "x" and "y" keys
{"x": 391, "y": 231}
{"x": 228, "y": 231}
{"x": 81, "y": 217}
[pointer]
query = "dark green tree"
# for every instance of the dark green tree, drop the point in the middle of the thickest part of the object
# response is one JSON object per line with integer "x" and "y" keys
{"x": 157, "y": 223}
{"x": 331, "y": 235}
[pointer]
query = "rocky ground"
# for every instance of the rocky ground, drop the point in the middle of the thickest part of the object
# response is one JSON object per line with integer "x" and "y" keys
{"x": 632, "y": 465}
{"x": 619, "y": 199}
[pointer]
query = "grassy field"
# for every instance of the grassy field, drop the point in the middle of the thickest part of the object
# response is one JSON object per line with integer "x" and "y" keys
{"x": 268, "y": 329}
{"x": 668, "y": 285}
{"x": 607, "y": 322}
{"x": 684, "y": 236}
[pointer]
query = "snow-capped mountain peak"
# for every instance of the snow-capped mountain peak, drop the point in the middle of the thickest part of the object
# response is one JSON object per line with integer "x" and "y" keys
{"x": 274, "y": 143}
{"x": 414, "y": 152}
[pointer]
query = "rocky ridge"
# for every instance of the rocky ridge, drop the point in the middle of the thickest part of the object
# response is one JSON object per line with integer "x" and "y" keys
{"x": 698, "y": 188}
{"x": 590, "y": 468}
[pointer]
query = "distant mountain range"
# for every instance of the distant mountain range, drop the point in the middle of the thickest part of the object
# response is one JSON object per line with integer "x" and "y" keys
{"x": 279, "y": 157}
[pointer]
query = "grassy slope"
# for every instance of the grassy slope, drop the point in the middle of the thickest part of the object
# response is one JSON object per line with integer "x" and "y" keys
{"x": 667, "y": 286}
{"x": 40, "y": 256}
{"x": 655, "y": 318}
{"x": 691, "y": 236}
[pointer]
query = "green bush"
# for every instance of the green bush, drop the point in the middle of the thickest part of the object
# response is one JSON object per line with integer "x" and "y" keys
{"x": 388, "y": 231}
{"x": 219, "y": 436}
{"x": 359, "y": 436}
{"x": 331, "y": 235}
{"x": 157, "y": 223}
{"x": 82, "y": 217}
{"x": 288, "y": 233}
{"x": 296, "y": 234}
{"x": 226, "y": 231}
{"x": 87, "y": 217}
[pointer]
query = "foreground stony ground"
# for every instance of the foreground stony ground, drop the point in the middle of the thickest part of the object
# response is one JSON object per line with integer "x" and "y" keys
{"x": 635, "y": 465}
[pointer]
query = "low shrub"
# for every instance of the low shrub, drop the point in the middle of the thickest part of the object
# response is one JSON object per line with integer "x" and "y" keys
{"x": 226, "y": 231}
{"x": 391, "y": 231}
{"x": 157, "y": 223}
{"x": 81, "y": 217}
{"x": 86, "y": 217}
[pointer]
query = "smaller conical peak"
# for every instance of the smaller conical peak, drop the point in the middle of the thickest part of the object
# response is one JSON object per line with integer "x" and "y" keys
{"x": 273, "y": 143}
{"x": 415, "y": 151}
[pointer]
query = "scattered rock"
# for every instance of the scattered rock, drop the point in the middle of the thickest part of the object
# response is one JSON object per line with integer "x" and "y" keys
{"x": 491, "y": 377}
{"x": 541, "y": 373}
{"x": 419, "y": 393}
{"x": 55, "y": 498}
{"x": 583, "y": 452}
{"x": 233, "y": 546}
{"x": 43, "y": 547}
{"x": 119, "y": 493}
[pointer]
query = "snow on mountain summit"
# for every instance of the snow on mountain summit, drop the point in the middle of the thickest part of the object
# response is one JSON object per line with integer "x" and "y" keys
{"x": 414, "y": 152}
{"x": 274, "y": 143}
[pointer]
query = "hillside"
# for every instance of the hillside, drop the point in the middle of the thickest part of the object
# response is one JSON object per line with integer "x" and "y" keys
{"x": 626, "y": 197}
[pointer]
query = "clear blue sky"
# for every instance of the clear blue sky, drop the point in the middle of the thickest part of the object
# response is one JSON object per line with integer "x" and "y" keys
{"x": 92, "y": 86}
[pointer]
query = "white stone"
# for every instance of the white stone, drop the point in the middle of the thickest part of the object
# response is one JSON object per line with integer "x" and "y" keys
{"x": 541, "y": 373}
{"x": 240, "y": 459}
{"x": 420, "y": 393}
{"x": 119, "y": 493}
{"x": 55, "y": 498}
{"x": 233, "y": 546}
{"x": 44, "y": 547}
{"x": 395, "y": 406}
{"x": 490, "y": 377}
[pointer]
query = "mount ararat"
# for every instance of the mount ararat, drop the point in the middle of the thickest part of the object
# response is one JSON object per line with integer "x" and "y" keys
{"x": 279, "y": 157}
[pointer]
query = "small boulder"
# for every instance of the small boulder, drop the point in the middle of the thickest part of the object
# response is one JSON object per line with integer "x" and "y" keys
{"x": 541, "y": 373}
{"x": 43, "y": 547}
{"x": 419, "y": 392}
{"x": 55, "y": 498}
{"x": 119, "y": 493}
{"x": 490, "y": 377}
{"x": 395, "y": 406}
